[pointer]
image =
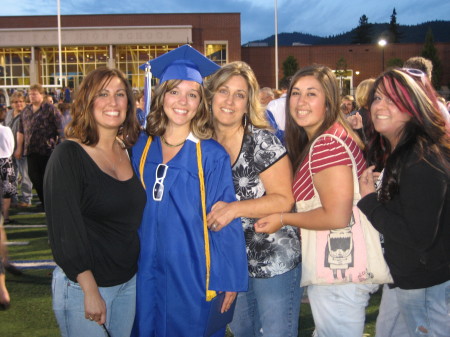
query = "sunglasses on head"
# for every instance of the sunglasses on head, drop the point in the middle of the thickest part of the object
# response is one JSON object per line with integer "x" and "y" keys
{"x": 158, "y": 187}
{"x": 414, "y": 72}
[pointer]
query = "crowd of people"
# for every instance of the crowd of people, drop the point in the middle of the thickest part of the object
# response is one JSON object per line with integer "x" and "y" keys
{"x": 185, "y": 218}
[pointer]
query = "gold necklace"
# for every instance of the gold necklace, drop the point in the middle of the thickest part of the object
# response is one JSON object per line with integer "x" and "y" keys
{"x": 172, "y": 145}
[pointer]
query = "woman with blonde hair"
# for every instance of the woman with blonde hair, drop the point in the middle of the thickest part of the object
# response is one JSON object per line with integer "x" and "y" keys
{"x": 312, "y": 110}
{"x": 360, "y": 119}
{"x": 183, "y": 265}
{"x": 262, "y": 176}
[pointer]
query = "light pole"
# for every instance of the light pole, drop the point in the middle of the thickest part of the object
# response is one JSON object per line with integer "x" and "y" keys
{"x": 382, "y": 43}
{"x": 276, "y": 44}
{"x": 59, "y": 43}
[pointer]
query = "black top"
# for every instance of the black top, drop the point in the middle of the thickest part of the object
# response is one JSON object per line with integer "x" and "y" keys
{"x": 92, "y": 217}
{"x": 416, "y": 226}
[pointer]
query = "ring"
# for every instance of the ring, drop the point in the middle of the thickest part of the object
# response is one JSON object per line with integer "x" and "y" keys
{"x": 90, "y": 318}
{"x": 214, "y": 226}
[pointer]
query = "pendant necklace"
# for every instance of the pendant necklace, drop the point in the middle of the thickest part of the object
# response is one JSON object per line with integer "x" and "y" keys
{"x": 172, "y": 145}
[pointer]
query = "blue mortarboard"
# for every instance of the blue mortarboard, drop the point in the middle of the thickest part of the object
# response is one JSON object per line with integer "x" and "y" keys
{"x": 183, "y": 63}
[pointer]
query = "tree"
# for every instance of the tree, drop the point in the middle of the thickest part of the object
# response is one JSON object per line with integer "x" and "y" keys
{"x": 290, "y": 66}
{"x": 394, "y": 28}
{"x": 362, "y": 33}
{"x": 395, "y": 62}
{"x": 429, "y": 51}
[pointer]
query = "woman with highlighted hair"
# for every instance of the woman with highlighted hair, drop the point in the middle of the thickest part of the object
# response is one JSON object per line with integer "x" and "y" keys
{"x": 182, "y": 262}
{"x": 411, "y": 206}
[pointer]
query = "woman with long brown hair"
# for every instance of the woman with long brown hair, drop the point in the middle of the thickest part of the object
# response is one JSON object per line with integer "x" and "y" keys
{"x": 312, "y": 110}
{"x": 94, "y": 204}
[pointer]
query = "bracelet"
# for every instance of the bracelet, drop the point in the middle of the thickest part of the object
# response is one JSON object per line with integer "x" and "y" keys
{"x": 281, "y": 219}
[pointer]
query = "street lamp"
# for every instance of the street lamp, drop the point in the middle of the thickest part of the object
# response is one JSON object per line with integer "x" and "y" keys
{"x": 276, "y": 43}
{"x": 382, "y": 43}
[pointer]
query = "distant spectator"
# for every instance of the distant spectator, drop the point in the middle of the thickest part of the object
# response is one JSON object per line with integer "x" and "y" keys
{"x": 67, "y": 95}
{"x": 277, "y": 93}
{"x": 348, "y": 105}
{"x": 2, "y": 114}
{"x": 40, "y": 129}
{"x": 4, "y": 98}
{"x": 360, "y": 119}
{"x": 421, "y": 63}
{"x": 49, "y": 99}
{"x": 7, "y": 174}
{"x": 20, "y": 164}
{"x": 64, "y": 108}
{"x": 265, "y": 96}
{"x": 277, "y": 106}
{"x": 140, "y": 108}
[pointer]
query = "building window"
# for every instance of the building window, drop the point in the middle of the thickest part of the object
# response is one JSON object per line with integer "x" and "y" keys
{"x": 217, "y": 51}
{"x": 129, "y": 58}
{"x": 15, "y": 66}
{"x": 77, "y": 62}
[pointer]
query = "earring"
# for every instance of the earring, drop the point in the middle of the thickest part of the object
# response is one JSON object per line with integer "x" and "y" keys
{"x": 245, "y": 120}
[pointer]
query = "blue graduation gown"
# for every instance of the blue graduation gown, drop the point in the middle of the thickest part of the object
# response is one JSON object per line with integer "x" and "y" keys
{"x": 171, "y": 274}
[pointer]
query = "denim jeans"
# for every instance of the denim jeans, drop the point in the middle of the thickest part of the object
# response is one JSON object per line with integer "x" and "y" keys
{"x": 426, "y": 311}
{"x": 339, "y": 310}
{"x": 270, "y": 307}
{"x": 68, "y": 305}
{"x": 390, "y": 322}
{"x": 21, "y": 166}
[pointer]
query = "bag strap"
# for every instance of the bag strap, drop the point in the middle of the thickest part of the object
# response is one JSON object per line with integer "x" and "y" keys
{"x": 210, "y": 294}
{"x": 357, "y": 194}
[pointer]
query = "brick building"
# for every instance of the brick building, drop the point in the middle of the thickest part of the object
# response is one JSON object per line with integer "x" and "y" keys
{"x": 363, "y": 61}
{"x": 29, "y": 45}
{"x": 29, "y": 48}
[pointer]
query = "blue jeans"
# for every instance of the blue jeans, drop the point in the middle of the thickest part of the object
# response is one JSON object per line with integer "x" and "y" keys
{"x": 68, "y": 305}
{"x": 21, "y": 166}
{"x": 426, "y": 311}
{"x": 390, "y": 322}
{"x": 339, "y": 310}
{"x": 270, "y": 307}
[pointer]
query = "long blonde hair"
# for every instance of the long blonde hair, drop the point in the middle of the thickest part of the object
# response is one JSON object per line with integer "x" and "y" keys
{"x": 256, "y": 113}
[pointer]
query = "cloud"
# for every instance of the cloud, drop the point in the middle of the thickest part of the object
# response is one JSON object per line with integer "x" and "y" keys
{"x": 319, "y": 17}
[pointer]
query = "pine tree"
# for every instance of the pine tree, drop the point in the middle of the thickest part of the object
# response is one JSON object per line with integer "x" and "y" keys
{"x": 363, "y": 31}
{"x": 429, "y": 51}
{"x": 290, "y": 66}
{"x": 394, "y": 28}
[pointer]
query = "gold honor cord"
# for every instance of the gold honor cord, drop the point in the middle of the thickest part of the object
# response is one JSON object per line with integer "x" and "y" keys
{"x": 143, "y": 159}
{"x": 210, "y": 294}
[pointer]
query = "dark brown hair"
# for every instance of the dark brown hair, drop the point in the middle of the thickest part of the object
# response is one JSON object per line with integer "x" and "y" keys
{"x": 83, "y": 125}
{"x": 297, "y": 142}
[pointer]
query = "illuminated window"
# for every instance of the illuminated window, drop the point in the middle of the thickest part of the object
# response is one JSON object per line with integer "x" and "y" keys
{"x": 15, "y": 66}
{"x": 76, "y": 63}
{"x": 217, "y": 52}
{"x": 129, "y": 58}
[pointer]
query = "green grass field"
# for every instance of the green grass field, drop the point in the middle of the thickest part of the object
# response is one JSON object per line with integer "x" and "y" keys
{"x": 30, "y": 314}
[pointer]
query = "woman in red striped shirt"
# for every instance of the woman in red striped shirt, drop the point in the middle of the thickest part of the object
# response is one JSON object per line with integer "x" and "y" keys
{"x": 313, "y": 110}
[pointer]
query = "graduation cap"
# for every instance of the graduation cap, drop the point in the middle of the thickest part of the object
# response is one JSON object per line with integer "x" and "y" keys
{"x": 183, "y": 63}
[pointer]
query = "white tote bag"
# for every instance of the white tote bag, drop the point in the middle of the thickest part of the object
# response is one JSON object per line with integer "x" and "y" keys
{"x": 348, "y": 255}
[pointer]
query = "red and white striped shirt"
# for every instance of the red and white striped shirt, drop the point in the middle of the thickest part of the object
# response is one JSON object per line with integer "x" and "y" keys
{"x": 326, "y": 153}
